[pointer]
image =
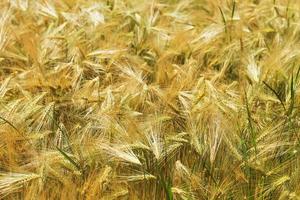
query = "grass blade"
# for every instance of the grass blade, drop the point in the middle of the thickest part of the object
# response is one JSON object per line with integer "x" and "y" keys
{"x": 276, "y": 94}
{"x": 69, "y": 158}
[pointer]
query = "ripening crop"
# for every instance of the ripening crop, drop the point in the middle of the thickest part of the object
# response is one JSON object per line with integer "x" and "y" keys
{"x": 149, "y": 99}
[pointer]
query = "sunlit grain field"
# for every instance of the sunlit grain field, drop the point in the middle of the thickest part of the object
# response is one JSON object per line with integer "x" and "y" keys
{"x": 149, "y": 99}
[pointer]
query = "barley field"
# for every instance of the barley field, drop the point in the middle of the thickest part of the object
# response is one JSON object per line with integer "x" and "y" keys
{"x": 149, "y": 99}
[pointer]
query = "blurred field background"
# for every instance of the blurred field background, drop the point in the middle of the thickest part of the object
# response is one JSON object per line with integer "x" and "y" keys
{"x": 149, "y": 99}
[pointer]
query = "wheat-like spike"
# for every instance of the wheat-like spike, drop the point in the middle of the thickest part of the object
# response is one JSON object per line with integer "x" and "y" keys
{"x": 137, "y": 99}
{"x": 12, "y": 182}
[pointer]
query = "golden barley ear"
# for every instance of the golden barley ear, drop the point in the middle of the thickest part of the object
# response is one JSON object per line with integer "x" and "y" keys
{"x": 137, "y": 99}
